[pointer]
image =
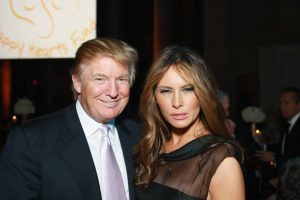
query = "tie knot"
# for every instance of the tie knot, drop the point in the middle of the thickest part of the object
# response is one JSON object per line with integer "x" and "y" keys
{"x": 288, "y": 124}
{"x": 104, "y": 129}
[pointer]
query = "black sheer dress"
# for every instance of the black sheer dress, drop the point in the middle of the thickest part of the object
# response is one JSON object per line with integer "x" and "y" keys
{"x": 185, "y": 173}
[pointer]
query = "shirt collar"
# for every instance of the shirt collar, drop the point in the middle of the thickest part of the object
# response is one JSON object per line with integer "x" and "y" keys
{"x": 293, "y": 120}
{"x": 88, "y": 124}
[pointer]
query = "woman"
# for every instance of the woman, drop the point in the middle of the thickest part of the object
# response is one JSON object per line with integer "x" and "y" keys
{"x": 225, "y": 102}
{"x": 186, "y": 151}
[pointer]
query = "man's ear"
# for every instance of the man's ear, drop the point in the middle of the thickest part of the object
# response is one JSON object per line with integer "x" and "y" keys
{"x": 76, "y": 83}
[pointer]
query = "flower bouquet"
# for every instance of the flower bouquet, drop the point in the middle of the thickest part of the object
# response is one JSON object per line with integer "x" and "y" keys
{"x": 254, "y": 115}
{"x": 24, "y": 107}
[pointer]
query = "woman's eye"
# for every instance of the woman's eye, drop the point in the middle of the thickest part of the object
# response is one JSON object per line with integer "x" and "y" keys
{"x": 164, "y": 91}
{"x": 188, "y": 89}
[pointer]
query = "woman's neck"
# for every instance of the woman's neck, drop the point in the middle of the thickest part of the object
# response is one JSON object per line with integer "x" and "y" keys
{"x": 181, "y": 137}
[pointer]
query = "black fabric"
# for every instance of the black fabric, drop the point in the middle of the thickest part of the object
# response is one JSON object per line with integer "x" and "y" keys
{"x": 49, "y": 158}
{"x": 292, "y": 149}
{"x": 186, "y": 173}
{"x": 286, "y": 134}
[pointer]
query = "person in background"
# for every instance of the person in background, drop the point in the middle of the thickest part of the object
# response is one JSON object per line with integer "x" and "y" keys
{"x": 225, "y": 101}
{"x": 289, "y": 180}
{"x": 60, "y": 156}
{"x": 288, "y": 146}
{"x": 186, "y": 151}
{"x": 290, "y": 131}
{"x": 239, "y": 132}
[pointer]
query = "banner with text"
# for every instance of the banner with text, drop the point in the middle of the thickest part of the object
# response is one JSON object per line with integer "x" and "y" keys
{"x": 45, "y": 28}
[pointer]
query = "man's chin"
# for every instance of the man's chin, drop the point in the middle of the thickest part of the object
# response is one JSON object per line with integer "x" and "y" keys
{"x": 111, "y": 114}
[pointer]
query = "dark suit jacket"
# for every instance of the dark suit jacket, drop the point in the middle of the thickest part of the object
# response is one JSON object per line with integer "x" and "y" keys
{"x": 292, "y": 144}
{"x": 49, "y": 158}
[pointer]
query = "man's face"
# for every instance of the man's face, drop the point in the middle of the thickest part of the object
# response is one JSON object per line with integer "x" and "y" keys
{"x": 288, "y": 106}
{"x": 103, "y": 88}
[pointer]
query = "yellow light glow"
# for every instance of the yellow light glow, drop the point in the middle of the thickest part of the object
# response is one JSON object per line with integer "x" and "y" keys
{"x": 258, "y": 132}
{"x": 14, "y": 118}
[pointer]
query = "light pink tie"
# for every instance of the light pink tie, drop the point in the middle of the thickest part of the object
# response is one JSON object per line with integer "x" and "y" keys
{"x": 111, "y": 174}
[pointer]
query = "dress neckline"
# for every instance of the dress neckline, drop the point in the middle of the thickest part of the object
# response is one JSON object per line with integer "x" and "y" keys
{"x": 192, "y": 148}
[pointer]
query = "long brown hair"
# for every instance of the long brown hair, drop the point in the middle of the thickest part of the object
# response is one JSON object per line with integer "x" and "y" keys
{"x": 155, "y": 129}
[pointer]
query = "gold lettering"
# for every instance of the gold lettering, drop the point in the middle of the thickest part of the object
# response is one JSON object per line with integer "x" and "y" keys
{"x": 79, "y": 36}
{"x": 11, "y": 45}
{"x": 58, "y": 49}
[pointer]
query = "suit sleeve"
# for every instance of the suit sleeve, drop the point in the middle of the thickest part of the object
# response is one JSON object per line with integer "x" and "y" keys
{"x": 19, "y": 169}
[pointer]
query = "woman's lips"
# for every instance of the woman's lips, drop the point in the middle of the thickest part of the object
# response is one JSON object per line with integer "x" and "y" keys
{"x": 179, "y": 116}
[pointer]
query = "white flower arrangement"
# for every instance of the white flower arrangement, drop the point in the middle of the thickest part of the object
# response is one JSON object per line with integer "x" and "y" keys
{"x": 252, "y": 114}
{"x": 24, "y": 107}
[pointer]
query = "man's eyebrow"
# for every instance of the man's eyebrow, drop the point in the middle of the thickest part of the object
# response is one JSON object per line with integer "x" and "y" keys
{"x": 99, "y": 74}
{"x": 123, "y": 75}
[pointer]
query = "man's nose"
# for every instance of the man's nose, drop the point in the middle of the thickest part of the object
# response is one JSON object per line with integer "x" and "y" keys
{"x": 112, "y": 89}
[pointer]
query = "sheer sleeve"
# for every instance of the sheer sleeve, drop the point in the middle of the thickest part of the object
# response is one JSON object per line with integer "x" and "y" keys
{"x": 192, "y": 176}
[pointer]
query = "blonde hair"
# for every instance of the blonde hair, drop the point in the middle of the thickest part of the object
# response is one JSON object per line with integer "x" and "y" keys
{"x": 117, "y": 49}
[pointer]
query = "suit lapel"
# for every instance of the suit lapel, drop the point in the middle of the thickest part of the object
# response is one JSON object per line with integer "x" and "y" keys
{"x": 76, "y": 154}
{"x": 296, "y": 126}
{"x": 128, "y": 132}
{"x": 291, "y": 142}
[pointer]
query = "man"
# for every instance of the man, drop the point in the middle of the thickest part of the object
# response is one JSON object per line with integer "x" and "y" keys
{"x": 290, "y": 137}
{"x": 59, "y": 156}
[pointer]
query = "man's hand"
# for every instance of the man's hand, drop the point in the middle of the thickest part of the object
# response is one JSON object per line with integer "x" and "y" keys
{"x": 265, "y": 156}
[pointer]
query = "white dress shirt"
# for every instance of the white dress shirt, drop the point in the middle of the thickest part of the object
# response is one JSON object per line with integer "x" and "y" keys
{"x": 90, "y": 126}
{"x": 293, "y": 120}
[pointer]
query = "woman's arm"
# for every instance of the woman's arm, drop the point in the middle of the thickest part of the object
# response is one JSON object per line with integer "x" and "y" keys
{"x": 227, "y": 182}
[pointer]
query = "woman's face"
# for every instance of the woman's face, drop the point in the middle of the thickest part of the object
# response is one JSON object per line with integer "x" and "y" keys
{"x": 177, "y": 101}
